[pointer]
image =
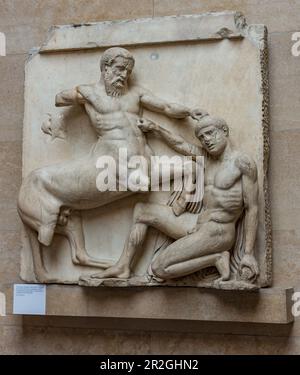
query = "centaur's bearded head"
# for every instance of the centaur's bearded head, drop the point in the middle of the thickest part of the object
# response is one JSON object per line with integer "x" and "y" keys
{"x": 116, "y": 66}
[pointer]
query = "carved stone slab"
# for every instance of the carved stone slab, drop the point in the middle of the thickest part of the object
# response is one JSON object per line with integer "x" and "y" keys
{"x": 213, "y": 61}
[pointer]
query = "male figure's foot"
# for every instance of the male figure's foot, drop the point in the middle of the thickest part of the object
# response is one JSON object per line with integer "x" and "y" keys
{"x": 223, "y": 266}
{"x": 84, "y": 259}
{"x": 116, "y": 271}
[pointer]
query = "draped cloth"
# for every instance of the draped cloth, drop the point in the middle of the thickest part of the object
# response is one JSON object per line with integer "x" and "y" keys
{"x": 236, "y": 253}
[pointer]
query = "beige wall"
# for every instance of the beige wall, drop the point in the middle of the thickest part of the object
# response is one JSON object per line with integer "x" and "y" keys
{"x": 25, "y": 23}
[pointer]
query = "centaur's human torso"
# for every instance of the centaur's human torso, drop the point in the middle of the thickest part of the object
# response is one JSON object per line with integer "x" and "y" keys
{"x": 114, "y": 119}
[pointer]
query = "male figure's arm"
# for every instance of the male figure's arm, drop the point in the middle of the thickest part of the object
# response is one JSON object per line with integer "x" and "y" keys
{"x": 175, "y": 141}
{"x": 69, "y": 97}
{"x": 172, "y": 110}
{"x": 250, "y": 197}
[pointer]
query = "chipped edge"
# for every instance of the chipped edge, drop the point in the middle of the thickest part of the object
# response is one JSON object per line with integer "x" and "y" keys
{"x": 264, "y": 63}
{"x": 223, "y": 33}
{"x": 142, "y": 20}
{"x": 258, "y": 36}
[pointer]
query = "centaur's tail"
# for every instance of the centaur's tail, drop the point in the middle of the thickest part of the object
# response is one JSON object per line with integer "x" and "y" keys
{"x": 238, "y": 249}
{"x": 162, "y": 241}
{"x": 37, "y": 207}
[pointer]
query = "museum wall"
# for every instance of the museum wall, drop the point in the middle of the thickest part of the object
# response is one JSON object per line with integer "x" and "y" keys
{"x": 25, "y": 24}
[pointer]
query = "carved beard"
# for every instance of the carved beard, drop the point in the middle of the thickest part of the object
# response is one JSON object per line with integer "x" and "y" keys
{"x": 111, "y": 87}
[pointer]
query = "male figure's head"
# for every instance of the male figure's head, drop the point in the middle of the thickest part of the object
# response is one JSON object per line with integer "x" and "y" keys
{"x": 213, "y": 134}
{"x": 116, "y": 66}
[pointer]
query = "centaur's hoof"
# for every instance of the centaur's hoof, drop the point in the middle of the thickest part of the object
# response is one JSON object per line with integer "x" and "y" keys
{"x": 45, "y": 279}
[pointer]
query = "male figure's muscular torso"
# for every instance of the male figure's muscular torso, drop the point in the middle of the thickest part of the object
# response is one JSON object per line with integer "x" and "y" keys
{"x": 223, "y": 195}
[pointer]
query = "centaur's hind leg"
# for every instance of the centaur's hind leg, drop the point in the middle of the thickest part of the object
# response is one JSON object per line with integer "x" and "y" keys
{"x": 40, "y": 270}
{"x": 70, "y": 225}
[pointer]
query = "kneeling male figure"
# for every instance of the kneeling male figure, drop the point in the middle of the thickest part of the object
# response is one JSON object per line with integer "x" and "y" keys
{"x": 205, "y": 239}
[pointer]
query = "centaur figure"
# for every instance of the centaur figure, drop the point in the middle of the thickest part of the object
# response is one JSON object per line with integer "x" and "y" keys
{"x": 48, "y": 195}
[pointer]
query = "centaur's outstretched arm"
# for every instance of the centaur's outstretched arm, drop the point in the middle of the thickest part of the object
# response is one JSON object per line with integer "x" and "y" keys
{"x": 69, "y": 97}
{"x": 175, "y": 141}
{"x": 171, "y": 110}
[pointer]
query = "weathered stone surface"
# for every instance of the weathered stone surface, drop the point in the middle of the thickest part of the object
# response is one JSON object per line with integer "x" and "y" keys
{"x": 10, "y": 172}
{"x": 10, "y": 249}
{"x": 51, "y": 12}
{"x": 71, "y": 341}
{"x": 223, "y": 344}
{"x": 286, "y": 257}
{"x": 143, "y": 31}
{"x": 163, "y": 325}
{"x": 10, "y": 221}
{"x": 284, "y": 70}
{"x": 284, "y": 166}
{"x": 41, "y": 340}
{"x": 146, "y": 281}
{"x": 52, "y": 340}
{"x": 285, "y": 197}
{"x": 12, "y": 99}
